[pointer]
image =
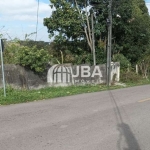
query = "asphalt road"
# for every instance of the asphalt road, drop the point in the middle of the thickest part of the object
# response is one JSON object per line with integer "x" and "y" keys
{"x": 109, "y": 120}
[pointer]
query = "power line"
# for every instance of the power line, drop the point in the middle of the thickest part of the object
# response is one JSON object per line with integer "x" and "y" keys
{"x": 37, "y": 20}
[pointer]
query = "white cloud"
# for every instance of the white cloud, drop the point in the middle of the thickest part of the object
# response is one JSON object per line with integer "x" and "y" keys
{"x": 20, "y": 17}
{"x": 23, "y": 10}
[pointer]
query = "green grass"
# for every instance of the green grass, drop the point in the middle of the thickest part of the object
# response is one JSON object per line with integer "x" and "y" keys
{"x": 21, "y": 96}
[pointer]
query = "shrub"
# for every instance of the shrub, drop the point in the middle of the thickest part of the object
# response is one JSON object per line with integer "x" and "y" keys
{"x": 33, "y": 58}
{"x": 129, "y": 77}
{"x": 124, "y": 62}
{"x": 10, "y": 53}
{"x": 30, "y": 57}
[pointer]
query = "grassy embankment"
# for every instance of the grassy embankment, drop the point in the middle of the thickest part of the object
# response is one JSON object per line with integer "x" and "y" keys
{"x": 21, "y": 96}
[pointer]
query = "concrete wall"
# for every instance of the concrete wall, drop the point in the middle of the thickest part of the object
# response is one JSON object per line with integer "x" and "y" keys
{"x": 57, "y": 75}
{"x": 19, "y": 77}
{"x": 65, "y": 74}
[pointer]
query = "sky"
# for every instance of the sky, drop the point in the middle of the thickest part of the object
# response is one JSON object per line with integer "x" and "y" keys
{"x": 148, "y": 5}
{"x": 19, "y": 17}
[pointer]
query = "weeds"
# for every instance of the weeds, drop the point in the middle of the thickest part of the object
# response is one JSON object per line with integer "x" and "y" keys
{"x": 21, "y": 96}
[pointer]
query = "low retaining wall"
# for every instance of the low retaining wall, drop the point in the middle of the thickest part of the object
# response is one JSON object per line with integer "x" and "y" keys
{"x": 19, "y": 77}
{"x": 58, "y": 75}
{"x": 68, "y": 74}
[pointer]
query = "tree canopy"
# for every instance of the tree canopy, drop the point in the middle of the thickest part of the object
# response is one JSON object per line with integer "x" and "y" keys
{"x": 71, "y": 23}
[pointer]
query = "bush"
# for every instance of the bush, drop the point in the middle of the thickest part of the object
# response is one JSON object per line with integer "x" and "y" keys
{"x": 124, "y": 62}
{"x": 10, "y": 53}
{"x": 30, "y": 57}
{"x": 130, "y": 77}
{"x": 33, "y": 58}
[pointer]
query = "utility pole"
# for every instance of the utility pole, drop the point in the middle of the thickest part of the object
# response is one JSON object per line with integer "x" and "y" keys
{"x": 109, "y": 44}
{"x": 93, "y": 40}
{"x": 2, "y": 67}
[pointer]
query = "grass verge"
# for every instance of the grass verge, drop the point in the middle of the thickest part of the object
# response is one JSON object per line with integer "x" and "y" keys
{"x": 21, "y": 96}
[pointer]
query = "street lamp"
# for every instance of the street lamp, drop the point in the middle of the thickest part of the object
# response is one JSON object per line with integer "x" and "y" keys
{"x": 109, "y": 44}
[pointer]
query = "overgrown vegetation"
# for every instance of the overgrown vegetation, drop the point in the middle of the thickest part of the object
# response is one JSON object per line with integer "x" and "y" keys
{"x": 29, "y": 56}
{"x": 72, "y": 21}
{"x": 130, "y": 77}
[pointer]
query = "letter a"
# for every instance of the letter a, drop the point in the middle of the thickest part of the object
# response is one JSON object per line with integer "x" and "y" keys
{"x": 96, "y": 72}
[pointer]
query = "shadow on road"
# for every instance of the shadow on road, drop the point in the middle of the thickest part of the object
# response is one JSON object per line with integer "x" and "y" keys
{"x": 129, "y": 137}
{"x": 124, "y": 129}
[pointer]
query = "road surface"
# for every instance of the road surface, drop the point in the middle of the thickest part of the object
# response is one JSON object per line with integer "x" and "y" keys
{"x": 109, "y": 120}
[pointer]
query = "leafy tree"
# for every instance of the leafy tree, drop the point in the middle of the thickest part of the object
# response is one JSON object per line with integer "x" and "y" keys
{"x": 73, "y": 28}
{"x": 65, "y": 20}
{"x": 72, "y": 22}
{"x": 134, "y": 38}
{"x": 131, "y": 33}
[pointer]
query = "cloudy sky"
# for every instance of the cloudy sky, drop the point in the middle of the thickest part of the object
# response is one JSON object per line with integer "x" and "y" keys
{"x": 19, "y": 17}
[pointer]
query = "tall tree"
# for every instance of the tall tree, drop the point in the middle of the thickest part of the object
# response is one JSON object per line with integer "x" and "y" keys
{"x": 72, "y": 21}
{"x": 138, "y": 32}
{"x": 131, "y": 25}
